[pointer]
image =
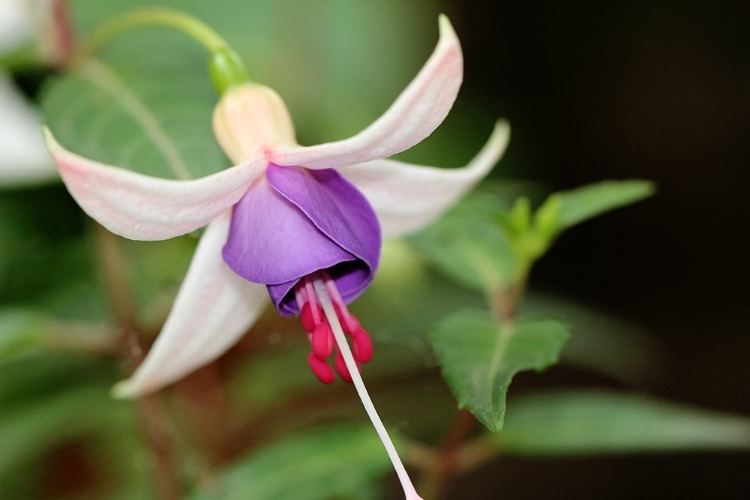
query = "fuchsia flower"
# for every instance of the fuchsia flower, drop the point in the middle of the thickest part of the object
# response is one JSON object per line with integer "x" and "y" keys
{"x": 299, "y": 224}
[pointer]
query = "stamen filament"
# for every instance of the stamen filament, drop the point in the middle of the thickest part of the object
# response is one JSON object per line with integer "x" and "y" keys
{"x": 300, "y": 295}
{"x": 338, "y": 333}
{"x": 336, "y": 298}
{"x": 311, "y": 298}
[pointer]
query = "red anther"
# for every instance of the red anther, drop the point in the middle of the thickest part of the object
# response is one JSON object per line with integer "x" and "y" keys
{"x": 341, "y": 368}
{"x": 322, "y": 340}
{"x": 362, "y": 345}
{"x": 321, "y": 369}
{"x": 307, "y": 318}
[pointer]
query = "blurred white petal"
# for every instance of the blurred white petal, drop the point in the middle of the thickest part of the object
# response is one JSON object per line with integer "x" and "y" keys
{"x": 16, "y": 24}
{"x": 23, "y": 156}
{"x": 213, "y": 310}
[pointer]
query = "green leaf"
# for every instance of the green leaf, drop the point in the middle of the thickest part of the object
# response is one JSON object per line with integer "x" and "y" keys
{"x": 28, "y": 430}
{"x": 591, "y": 423}
{"x": 602, "y": 342}
{"x": 519, "y": 217}
{"x": 589, "y": 201}
{"x": 470, "y": 246}
{"x": 335, "y": 462}
{"x": 49, "y": 400}
{"x": 147, "y": 104}
{"x": 479, "y": 357}
{"x": 320, "y": 62}
{"x": 156, "y": 270}
{"x": 19, "y": 331}
{"x": 44, "y": 261}
{"x": 25, "y": 330}
{"x": 151, "y": 118}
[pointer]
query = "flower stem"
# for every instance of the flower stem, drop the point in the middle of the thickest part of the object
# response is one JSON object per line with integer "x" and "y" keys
{"x": 150, "y": 408}
{"x": 153, "y": 16}
{"x": 453, "y": 456}
{"x": 445, "y": 465}
{"x": 63, "y": 33}
{"x": 226, "y": 67}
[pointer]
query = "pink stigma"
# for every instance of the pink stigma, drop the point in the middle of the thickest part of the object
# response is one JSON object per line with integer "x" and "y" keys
{"x": 320, "y": 334}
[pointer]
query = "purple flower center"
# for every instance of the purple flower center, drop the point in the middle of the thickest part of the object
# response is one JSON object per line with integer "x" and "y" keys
{"x": 294, "y": 222}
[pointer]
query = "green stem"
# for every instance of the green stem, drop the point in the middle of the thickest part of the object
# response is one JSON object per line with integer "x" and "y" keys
{"x": 226, "y": 67}
{"x": 455, "y": 455}
{"x": 154, "y": 420}
{"x": 445, "y": 464}
{"x": 153, "y": 16}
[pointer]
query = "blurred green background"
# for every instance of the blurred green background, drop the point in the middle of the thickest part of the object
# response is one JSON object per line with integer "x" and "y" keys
{"x": 593, "y": 90}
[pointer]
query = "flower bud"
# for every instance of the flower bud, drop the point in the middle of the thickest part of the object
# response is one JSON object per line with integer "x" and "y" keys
{"x": 251, "y": 119}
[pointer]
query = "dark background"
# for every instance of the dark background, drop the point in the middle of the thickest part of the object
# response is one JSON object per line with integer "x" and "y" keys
{"x": 653, "y": 90}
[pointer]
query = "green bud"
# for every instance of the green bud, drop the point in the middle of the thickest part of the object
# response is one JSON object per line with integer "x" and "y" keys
{"x": 227, "y": 70}
{"x": 520, "y": 216}
{"x": 547, "y": 218}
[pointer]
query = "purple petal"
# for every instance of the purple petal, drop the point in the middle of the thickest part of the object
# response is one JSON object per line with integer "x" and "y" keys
{"x": 294, "y": 222}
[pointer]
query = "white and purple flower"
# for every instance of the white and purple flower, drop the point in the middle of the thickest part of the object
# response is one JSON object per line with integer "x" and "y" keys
{"x": 302, "y": 225}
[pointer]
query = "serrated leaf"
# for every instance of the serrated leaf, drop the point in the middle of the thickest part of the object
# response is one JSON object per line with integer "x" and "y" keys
{"x": 469, "y": 245}
{"x": 336, "y": 462}
{"x": 586, "y": 202}
{"x": 593, "y": 423}
{"x": 479, "y": 357}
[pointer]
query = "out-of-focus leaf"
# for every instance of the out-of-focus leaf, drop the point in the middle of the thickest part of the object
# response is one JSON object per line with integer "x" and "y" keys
{"x": 48, "y": 400}
{"x": 147, "y": 104}
{"x": 20, "y": 331}
{"x": 318, "y": 55}
{"x": 578, "y": 205}
{"x": 150, "y": 119}
{"x": 592, "y": 423}
{"x": 44, "y": 261}
{"x": 334, "y": 462}
{"x": 407, "y": 298}
{"x": 602, "y": 342}
{"x": 479, "y": 357}
{"x": 29, "y": 430}
{"x": 23, "y": 330}
{"x": 156, "y": 270}
{"x": 38, "y": 375}
{"x": 469, "y": 245}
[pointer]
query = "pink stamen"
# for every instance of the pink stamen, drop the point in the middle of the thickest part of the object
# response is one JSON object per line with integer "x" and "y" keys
{"x": 322, "y": 340}
{"x": 312, "y": 300}
{"x": 321, "y": 369}
{"x": 348, "y": 321}
{"x": 341, "y": 368}
{"x": 352, "y": 370}
{"x": 300, "y": 294}
{"x": 319, "y": 331}
{"x": 362, "y": 345}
